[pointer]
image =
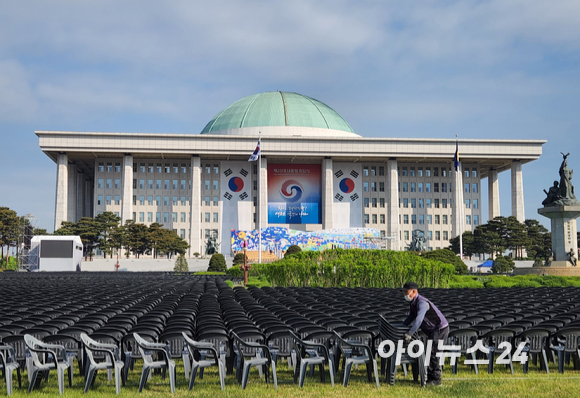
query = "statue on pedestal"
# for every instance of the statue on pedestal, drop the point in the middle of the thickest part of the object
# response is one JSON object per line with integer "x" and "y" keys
{"x": 418, "y": 242}
{"x": 572, "y": 257}
{"x": 562, "y": 194}
{"x": 212, "y": 245}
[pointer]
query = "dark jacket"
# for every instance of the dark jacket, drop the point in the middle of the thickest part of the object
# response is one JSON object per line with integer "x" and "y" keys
{"x": 424, "y": 314}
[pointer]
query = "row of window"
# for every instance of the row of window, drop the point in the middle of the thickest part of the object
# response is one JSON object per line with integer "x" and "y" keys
{"x": 421, "y": 218}
{"x": 172, "y": 217}
{"x": 429, "y": 235}
{"x": 445, "y": 172}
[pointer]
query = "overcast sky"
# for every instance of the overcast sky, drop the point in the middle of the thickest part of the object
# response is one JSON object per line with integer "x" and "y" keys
{"x": 505, "y": 69}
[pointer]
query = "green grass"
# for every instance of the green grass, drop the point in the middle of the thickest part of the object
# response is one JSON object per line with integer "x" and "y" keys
{"x": 465, "y": 384}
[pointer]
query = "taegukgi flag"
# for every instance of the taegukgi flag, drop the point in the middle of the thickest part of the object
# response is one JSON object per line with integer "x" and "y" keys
{"x": 256, "y": 153}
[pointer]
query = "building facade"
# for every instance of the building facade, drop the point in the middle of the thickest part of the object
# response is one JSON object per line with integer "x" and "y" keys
{"x": 315, "y": 174}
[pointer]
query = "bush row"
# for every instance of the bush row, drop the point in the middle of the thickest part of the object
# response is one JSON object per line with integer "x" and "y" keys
{"x": 474, "y": 281}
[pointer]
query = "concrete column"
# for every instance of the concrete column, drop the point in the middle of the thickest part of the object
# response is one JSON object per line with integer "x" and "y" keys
{"x": 263, "y": 192}
{"x": 72, "y": 193}
{"x": 327, "y": 195}
{"x": 458, "y": 208}
{"x": 393, "y": 204}
{"x": 195, "y": 207}
{"x": 127, "y": 189}
{"x": 61, "y": 201}
{"x": 493, "y": 193}
{"x": 81, "y": 187}
{"x": 89, "y": 198}
{"x": 518, "y": 191}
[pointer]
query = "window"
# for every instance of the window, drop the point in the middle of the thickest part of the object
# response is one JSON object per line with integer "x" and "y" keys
{"x": 183, "y": 168}
{"x": 429, "y": 219}
{"x": 158, "y": 200}
{"x": 474, "y": 188}
{"x": 467, "y": 205}
{"x": 374, "y": 186}
{"x": 427, "y": 187}
{"x": 216, "y": 185}
{"x": 142, "y": 167}
{"x": 381, "y": 187}
{"x": 216, "y": 169}
{"x": 174, "y": 201}
{"x": 109, "y": 167}
{"x": 100, "y": 183}
{"x": 404, "y": 172}
{"x": 382, "y": 202}
{"x": 150, "y": 168}
{"x": 374, "y": 218}
{"x": 100, "y": 200}
{"x": 174, "y": 217}
{"x": 366, "y": 171}
{"x": 405, "y": 219}
{"x": 437, "y": 219}
{"x": 437, "y": 235}
{"x": 134, "y": 200}
{"x": 366, "y": 202}
{"x": 428, "y": 203}
{"x": 207, "y": 217}
{"x": 420, "y": 172}
{"x": 475, "y": 204}
{"x": 166, "y": 216}
{"x": 183, "y": 201}
{"x": 117, "y": 183}
{"x": 141, "y": 216}
{"x": 435, "y": 187}
{"x": 475, "y": 219}
{"x": 450, "y": 187}
{"x": 413, "y": 187}
{"x": 182, "y": 219}
{"x": 381, "y": 170}
{"x": 158, "y": 184}
{"x": 109, "y": 183}
{"x": 413, "y": 219}
{"x": 166, "y": 201}
{"x": 207, "y": 169}
{"x": 174, "y": 185}
{"x": 444, "y": 203}
{"x": 466, "y": 172}
{"x": 182, "y": 233}
{"x": 167, "y": 170}
{"x": 429, "y": 235}
{"x": 215, "y": 200}
{"x": 413, "y": 203}
{"x": 436, "y": 203}
{"x": 142, "y": 200}
{"x": 443, "y": 172}
{"x": 421, "y": 219}
{"x": 159, "y": 168}
{"x": 366, "y": 186}
{"x": 255, "y": 185}
{"x": 374, "y": 202}
{"x": 158, "y": 217}
{"x": 468, "y": 220}
{"x": 412, "y": 172}
{"x": 207, "y": 185}
{"x": 467, "y": 188}
{"x": 435, "y": 171}
{"x": 444, "y": 219}
{"x": 406, "y": 235}
{"x": 373, "y": 171}
{"x": 382, "y": 218}
{"x": 175, "y": 168}
{"x": 405, "y": 187}
{"x": 474, "y": 172}
{"x": 149, "y": 216}
{"x": 207, "y": 201}
{"x": 141, "y": 184}
{"x": 183, "y": 185}
{"x": 366, "y": 218}
{"x": 134, "y": 183}
{"x": 427, "y": 171}
{"x": 101, "y": 167}
{"x": 443, "y": 187}
{"x": 405, "y": 202}
{"x": 150, "y": 200}
{"x": 207, "y": 233}
{"x": 420, "y": 187}
{"x": 421, "y": 203}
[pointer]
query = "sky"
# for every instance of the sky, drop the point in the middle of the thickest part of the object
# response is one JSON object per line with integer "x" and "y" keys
{"x": 497, "y": 69}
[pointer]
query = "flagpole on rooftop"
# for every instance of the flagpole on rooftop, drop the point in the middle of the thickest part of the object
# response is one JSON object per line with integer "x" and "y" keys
{"x": 259, "y": 215}
{"x": 459, "y": 188}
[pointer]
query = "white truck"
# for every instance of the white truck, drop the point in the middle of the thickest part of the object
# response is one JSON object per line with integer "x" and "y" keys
{"x": 56, "y": 253}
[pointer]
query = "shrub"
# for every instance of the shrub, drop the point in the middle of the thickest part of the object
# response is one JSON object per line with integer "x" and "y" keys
{"x": 208, "y": 273}
{"x": 235, "y": 272}
{"x": 464, "y": 281}
{"x": 217, "y": 263}
{"x": 502, "y": 265}
{"x": 448, "y": 257}
{"x": 292, "y": 250}
{"x": 181, "y": 264}
{"x": 239, "y": 258}
{"x": 230, "y": 283}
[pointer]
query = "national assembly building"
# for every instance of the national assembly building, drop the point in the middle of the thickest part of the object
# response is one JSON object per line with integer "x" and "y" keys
{"x": 316, "y": 174}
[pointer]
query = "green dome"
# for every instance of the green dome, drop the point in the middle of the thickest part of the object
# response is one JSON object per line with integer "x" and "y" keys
{"x": 277, "y": 108}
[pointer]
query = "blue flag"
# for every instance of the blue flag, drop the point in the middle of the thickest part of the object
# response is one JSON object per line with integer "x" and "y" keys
{"x": 456, "y": 157}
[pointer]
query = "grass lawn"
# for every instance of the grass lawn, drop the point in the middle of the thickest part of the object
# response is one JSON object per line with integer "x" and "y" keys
{"x": 465, "y": 384}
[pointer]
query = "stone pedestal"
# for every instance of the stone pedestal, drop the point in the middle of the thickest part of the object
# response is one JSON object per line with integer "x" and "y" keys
{"x": 563, "y": 232}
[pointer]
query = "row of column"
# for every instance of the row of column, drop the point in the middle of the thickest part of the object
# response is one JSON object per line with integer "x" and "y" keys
{"x": 73, "y": 192}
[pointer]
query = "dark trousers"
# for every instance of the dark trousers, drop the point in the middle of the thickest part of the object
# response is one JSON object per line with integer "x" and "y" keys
{"x": 434, "y": 370}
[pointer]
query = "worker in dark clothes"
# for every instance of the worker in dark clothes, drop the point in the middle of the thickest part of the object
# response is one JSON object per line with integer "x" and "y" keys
{"x": 425, "y": 315}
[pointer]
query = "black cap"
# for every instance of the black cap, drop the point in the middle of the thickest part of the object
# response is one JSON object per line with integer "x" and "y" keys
{"x": 410, "y": 286}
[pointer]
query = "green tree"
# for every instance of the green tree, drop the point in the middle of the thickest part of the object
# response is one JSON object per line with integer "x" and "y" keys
{"x": 138, "y": 241}
{"x": 107, "y": 222}
{"x": 88, "y": 230}
{"x": 448, "y": 257}
{"x": 181, "y": 264}
{"x": 292, "y": 250}
{"x": 239, "y": 258}
{"x": 503, "y": 265}
{"x": 537, "y": 247}
{"x": 217, "y": 263}
{"x": 9, "y": 225}
{"x": 468, "y": 244}
{"x": 516, "y": 236}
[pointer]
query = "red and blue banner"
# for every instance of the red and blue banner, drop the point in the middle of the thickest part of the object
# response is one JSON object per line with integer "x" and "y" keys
{"x": 294, "y": 195}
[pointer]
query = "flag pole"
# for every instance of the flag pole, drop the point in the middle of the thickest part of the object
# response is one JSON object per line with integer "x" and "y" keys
{"x": 260, "y": 198}
{"x": 460, "y": 197}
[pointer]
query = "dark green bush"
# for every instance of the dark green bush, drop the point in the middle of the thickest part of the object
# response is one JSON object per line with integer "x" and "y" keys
{"x": 239, "y": 258}
{"x": 217, "y": 263}
{"x": 292, "y": 250}
{"x": 235, "y": 272}
{"x": 503, "y": 265}
{"x": 448, "y": 257}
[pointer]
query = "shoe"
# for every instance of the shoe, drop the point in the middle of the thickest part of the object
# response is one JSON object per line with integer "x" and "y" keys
{"x": 431, "y": 383}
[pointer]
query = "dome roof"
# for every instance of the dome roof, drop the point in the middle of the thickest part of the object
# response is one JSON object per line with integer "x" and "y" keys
{"x": 282, "y": 110}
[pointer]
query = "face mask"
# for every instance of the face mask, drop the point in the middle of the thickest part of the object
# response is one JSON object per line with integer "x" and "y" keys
{"x": 408, "y": 298}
